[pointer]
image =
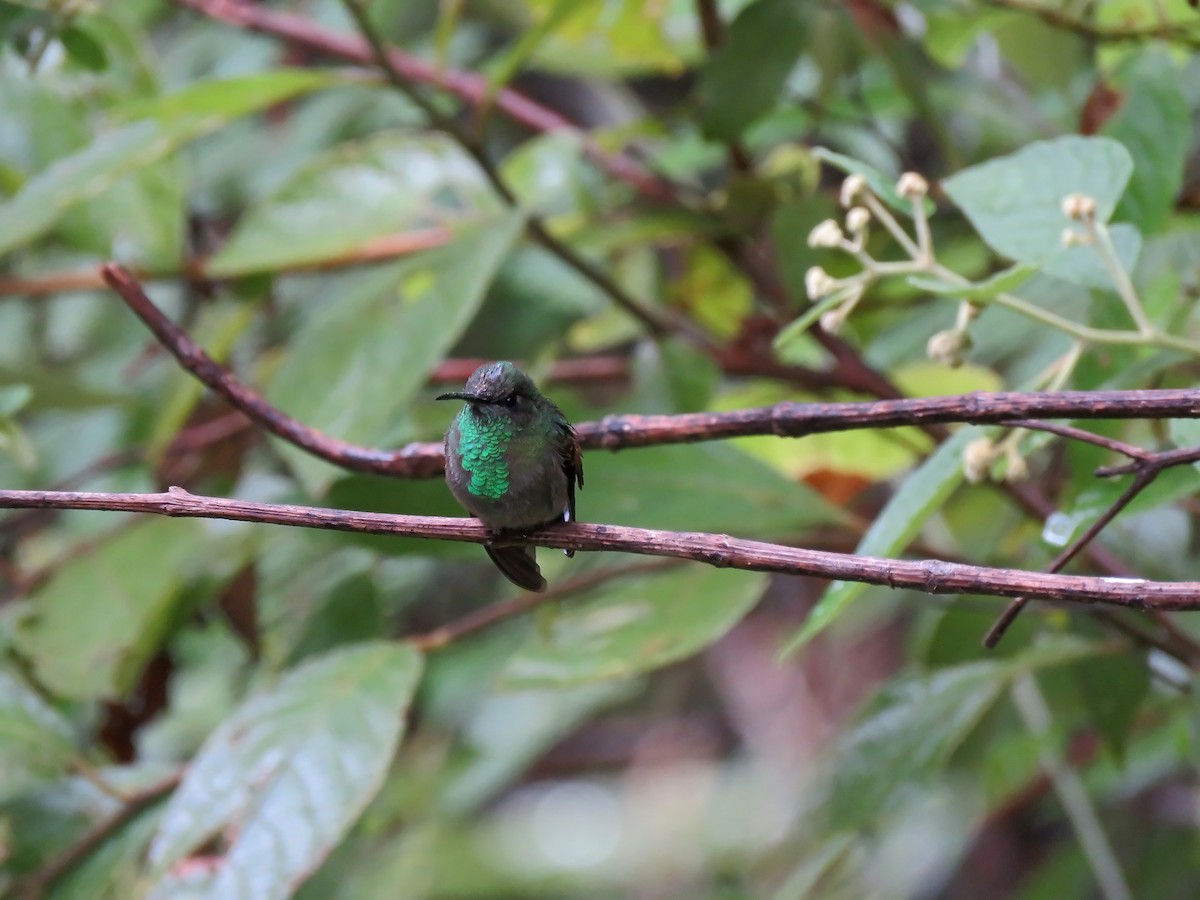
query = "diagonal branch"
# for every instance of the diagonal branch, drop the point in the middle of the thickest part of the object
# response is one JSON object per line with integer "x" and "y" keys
{"x": 424, "y": 460}
{"x": 929, "y": 576}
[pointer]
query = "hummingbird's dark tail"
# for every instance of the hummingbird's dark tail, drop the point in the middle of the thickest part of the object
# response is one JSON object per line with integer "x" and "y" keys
{"x": 519, "y": 565}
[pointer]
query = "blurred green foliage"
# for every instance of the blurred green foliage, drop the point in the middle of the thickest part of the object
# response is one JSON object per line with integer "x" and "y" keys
{"x": 237, "y": 702}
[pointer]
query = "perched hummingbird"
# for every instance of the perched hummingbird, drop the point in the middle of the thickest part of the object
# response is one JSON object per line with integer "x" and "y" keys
{"x": 512, "y": 460}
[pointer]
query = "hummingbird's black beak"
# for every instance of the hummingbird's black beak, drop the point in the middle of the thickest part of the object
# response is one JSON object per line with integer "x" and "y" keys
{"x": 459, "y": 395}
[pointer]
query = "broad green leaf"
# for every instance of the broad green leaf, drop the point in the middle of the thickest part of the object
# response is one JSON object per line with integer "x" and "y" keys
{"x": 881, "y": 185}
{"x": 697, "y": 487}
{"x": 1015, "y": 201}
{"x": 1113, "y": 688}
{"x": 744, "y": 77}
{"x": 286, "y": 775}
{"x": 36, "y": 740}
{"x": 52, "y": 193}
{"x": 907, "y": 735}
{"x": 920, "y": 495}
{"x": 358, "y": 359}
{"x": 635, "y": 626}
{"x": 13, "y": 398}
{"x": 1002, "y": 282}
{"x": 83, "y": 48}
{"x": 391, "y": 181}
{"x": 89, "y": 631}
{"x": 1152, "y": 123}
{"x": 220, "y": 100}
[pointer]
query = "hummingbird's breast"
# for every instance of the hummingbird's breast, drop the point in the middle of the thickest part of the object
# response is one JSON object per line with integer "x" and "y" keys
{"x": 508, "y": 477}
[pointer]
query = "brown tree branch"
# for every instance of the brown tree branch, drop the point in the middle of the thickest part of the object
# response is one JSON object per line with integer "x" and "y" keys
{"x": 424, "y": 460}
{"x": 380, "y": 249}
{"x": 722, "y": 551}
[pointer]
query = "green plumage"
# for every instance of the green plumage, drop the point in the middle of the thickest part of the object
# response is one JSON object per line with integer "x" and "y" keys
{"x": 481, "y": 448}
{"x": 513, "y": 461}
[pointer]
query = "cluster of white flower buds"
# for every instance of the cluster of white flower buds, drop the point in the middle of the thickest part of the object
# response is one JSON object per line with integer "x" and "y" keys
{"x": 981, "y": 454}
{"x": 1078, "y": 208}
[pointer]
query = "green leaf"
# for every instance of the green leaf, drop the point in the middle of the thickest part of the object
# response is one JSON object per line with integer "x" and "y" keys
{"x": 1113, "y": 688}
{"x": 13, "y": 398}
{"x": 881, "y": 185}
{"x": 921, "y": 495}
{"x": 1002, "y": 282}
{"x": 1152, "y": 123}
{"x": 698, "y": 487}
{"x": 504, "y": 67}
{"x": 89, "y": 631}
{"x": 286, "y": 775}
{"x": 52, "y": 193}
{"x": 391, "y": 181}
{"x": 1015, "y": 201}
{"x": 635, "y": 626}
{"x": 83, "y": 48}
{"x": 744, "y": 77}
{"x": 36, "y": 741}
{"x": 907, "y": 735}
{"x": 358, "y": 359}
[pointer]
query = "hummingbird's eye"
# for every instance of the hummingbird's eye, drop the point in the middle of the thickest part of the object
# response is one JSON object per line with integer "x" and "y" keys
{"x": 510, "y": 401}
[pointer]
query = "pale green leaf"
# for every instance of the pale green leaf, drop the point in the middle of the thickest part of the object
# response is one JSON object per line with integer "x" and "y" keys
{"x": 89, "y": 631}
{"x": 392, "y": 182}
{"x": 36, "y": 741}
{"x": 698, "y": 487}
{"x": 635, "y": 626}
{"x": 288, "y": 773}
{"x": 1015, "y": 201}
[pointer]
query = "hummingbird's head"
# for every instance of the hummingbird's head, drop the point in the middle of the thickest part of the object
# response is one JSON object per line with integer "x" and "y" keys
{"x": 499, "y": 388}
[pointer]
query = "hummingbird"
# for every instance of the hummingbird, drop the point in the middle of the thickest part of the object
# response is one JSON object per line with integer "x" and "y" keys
{"x": 513, "y": 461}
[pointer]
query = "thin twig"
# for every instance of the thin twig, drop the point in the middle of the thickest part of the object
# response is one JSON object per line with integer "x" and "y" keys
{"x": 38, "y": 883}
{"x": 377, "y": 250}
{"x": 722, "y": 551}
{"x": 1145, "y": 467}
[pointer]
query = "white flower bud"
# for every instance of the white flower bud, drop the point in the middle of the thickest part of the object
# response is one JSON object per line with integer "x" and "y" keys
{"x": 1079, "y": 207}
{"x": 857, "y": 220}
{"x": 947, "y": 346}
{"x": 1073, "y": 238}
{"x": 1016, "y": 469}
{"x": 853, "y": 187}
{"x": 826, "y": 234}
{"x": 912, "y": 185}
{"x": 977, "y": 459}
{"x": 833, "y": 320}
{"x": 818, "y": 283}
